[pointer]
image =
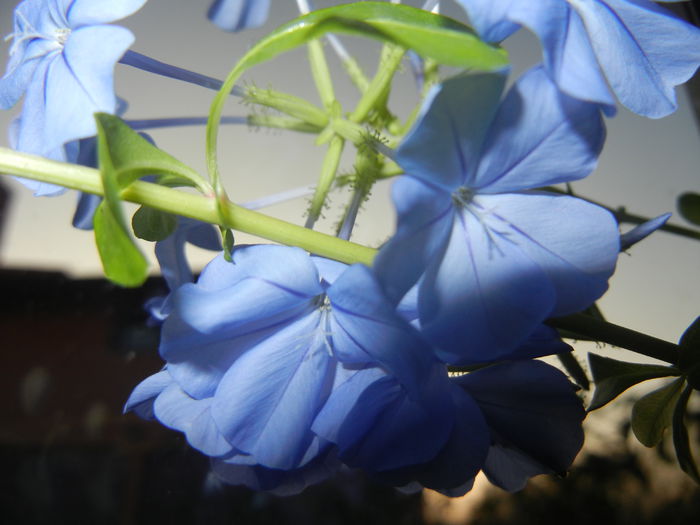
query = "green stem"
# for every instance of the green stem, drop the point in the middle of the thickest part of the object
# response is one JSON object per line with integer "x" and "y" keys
{"x": 278, "y": 122}
{"x": 328, "y": 171}
{"x": 616, "y": 335}
{"x": 321, "y": 74}
{"x": 289, "y": 104}
{"x": 181, "y": 203}
{"x": 380, "y": 84}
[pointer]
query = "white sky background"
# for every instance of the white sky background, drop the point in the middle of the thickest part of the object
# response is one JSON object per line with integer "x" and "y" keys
{"x": 645, "y": 166}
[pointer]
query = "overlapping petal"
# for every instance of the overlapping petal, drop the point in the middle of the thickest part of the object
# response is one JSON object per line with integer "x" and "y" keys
{"x": 640, "y": 48}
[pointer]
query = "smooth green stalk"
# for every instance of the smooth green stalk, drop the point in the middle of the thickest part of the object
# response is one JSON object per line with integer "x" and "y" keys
{"x": 321, "y": 74}
{"x": 187, "y": 204}
{"x": 328, "y": 171}
{"x": 377, "y": 90}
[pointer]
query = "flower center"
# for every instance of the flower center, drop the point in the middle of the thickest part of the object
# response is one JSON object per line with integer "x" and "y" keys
{"x": 61, "y": 34}
{"x": 462, "y": 196}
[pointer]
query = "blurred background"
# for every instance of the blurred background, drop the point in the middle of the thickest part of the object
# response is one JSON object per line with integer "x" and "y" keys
{"x": 75, "y": 345}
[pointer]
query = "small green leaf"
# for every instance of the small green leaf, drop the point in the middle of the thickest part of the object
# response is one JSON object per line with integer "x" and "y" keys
{"x": 153, "y": 225}
{"x": 612, "y": 377}
{"x": 653, "y": 413}
{"x": 430, "y": 35}
{"x": 122, "y": 261}
{"x": 133, "y": 157}
{"x": 689, "y": 207}
{"x": 680, "y": 437}
{"x": 689, "y": 353}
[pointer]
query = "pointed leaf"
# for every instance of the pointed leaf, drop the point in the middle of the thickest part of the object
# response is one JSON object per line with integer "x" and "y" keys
{"x": 430, "y": 35}
{"x": 153, "y": 225}
{"x": 653, "y": 413}
{"x": 689, "y": 354}
{"x": 133, "y": 156}
{"x": 689, "y": 207}
{"x": 122, "y": 261}
{"x": 612, "y": 377}
{"x": 680, "y": 437}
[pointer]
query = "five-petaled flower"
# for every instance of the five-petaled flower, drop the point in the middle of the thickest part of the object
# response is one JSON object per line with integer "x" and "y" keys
{"x": 62, "y": 60}
{"x": 492, "y": 257}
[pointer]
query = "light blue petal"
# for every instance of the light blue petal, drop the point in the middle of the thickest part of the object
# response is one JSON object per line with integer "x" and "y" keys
{"x": 88, "y": 12}
{"x": 81, "y": 82}
{"x": 424, "y": 221}
{"x": 442, "y": 147}
{"x": 536, "y": 123}
{"x": 266, "y": 402}
{"x": 176, "y": 410}
{"x": 490, "y": 18}
{"x": 142, "y": 398}
{"x": 535, "y": 417}
{"x": 235, "y": 15}
{"x": 484, "y": 296}
{"x": 367, "y": 329}
{"x": 578, "y": 255}
{"x": 644, "y": 50}
{"x": 567, "y": 49}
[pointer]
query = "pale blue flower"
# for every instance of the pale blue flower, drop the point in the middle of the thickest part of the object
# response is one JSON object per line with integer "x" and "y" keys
{"x": 62, "y": 60}
{"x": 235, "y": 15}
{"x": 634, "y": 48}
{"x": 493, "y": 260}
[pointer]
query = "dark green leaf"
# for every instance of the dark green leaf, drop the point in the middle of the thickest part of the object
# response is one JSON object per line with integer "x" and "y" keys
{"x": 689, "y": 207}
{"x": 689, "y": 353}
{"x": 153, "y": 225}
{"x": 612, "y": 377}
{"x": 432, "y": 36}
{"x": 653, "y": 413}
{"x": 574, "y": 369}
{"x": 134, "y": 157}
{"x": 680, "y": 437}
{"x": 122, "y": 261}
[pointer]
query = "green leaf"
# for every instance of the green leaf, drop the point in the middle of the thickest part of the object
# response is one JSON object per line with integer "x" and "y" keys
{"x": 680, "y": 437}
{"x": 689, "y": 353}
{"x": 122, "y": 261}
{"x": 612, "y": 377}
{"x": 574, "y": 369}
{"x": 153, "y": 225}
{"x": 133, "y": 157}
{"x": 653, "y": 413}
{"x": 689, "y": 207}
{"x": 430, "y": 35}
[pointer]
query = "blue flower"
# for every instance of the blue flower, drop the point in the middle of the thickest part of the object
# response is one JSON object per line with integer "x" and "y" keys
{"x": 235, "y": 15}
{"x": 286, "y": 373}
{"x": 256, "y": 349}
{"x": 62, "y": 60}
{"x": 493, "y": 260}
{"x": 641, "y": 49}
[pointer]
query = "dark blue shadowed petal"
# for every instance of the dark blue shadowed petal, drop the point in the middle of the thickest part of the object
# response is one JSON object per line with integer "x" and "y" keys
{"x": 535, "y": 417}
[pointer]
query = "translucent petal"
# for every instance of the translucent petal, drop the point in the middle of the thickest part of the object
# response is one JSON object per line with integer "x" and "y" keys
{"x": 87, "y": 12}
{"x": 235, "y": 15}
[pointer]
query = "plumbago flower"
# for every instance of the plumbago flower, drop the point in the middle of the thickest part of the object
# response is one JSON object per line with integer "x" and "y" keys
{"x": 640, "y": 48}
{"x": 493, "y": 258}
{"x": 284, "y": 374}
{"x": 235, "y": 15}
{"x": 62, "y": 60}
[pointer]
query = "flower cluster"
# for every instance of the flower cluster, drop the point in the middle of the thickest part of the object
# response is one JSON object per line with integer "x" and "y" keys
{"x": 285, "y": 367}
